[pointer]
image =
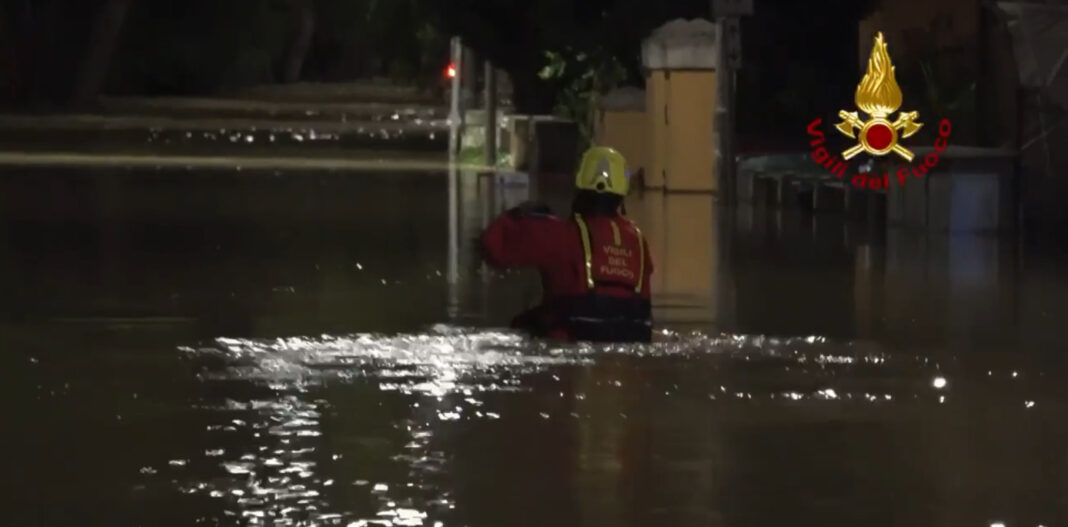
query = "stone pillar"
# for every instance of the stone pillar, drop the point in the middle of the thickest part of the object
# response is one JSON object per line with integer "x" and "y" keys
{"x": 680, "y": 59}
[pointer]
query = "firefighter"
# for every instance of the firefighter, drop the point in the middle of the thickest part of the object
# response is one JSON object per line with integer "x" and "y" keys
{"x": 594, "y": 264}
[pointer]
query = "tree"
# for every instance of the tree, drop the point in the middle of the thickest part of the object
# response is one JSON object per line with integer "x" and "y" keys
{"x": 506, "y": 34}
{"x": 585, "y": 36}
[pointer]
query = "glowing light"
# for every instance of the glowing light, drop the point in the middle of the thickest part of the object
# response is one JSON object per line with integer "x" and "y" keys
{"x": 450, "y": 71}
{"x": 939, "y": 382}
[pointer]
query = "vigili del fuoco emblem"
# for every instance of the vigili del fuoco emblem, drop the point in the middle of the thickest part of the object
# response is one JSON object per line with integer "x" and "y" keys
{"x": 879, "y": 96}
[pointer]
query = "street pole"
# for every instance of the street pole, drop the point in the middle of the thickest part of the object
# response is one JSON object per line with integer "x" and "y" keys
{"x": 455, "y": 113}
{"x": 725, "y": 111}
{"x": 721, "y": 107}
{"x": 491, "y": 115}
{"x": 728, "y": 15}
{"x": 452, "y": 272}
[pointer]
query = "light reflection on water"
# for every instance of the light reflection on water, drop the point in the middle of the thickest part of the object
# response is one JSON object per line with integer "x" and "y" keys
{"x": 476, "y": 427}
{"x": 279, "y": 482}
{"x": 273, "y": 455}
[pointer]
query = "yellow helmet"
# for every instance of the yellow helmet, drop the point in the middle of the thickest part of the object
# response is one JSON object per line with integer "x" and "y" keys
{"x": 603, "y": 169}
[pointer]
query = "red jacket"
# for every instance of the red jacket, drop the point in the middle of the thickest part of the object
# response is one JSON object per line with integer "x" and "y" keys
{"x": 620, "y": 261}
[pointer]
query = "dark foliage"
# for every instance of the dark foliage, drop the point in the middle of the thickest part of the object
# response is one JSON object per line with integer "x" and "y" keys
{"x": 799, "y": 57}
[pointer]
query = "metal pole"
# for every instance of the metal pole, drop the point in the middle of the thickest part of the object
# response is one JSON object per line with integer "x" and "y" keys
{"x": 721, "y": 106}
{"x": 725, "y": 112}
{"x": 455, "y": 114}
{"x": 452, "y": 273}
{"x": 732, "y": 174}
{"x": 488, "y": 192}
{"x": 491, "y": 115}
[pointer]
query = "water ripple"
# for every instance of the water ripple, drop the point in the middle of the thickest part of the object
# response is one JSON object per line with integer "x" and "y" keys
{"x": 273, "y": 466}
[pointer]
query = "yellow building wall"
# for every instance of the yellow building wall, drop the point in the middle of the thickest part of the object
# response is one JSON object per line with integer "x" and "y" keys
{"x": 647, "y": 210}
{"x": 691, "y": 146}
{"x": 680, "y": 109}
{"x": 689, "y": 252}
{"x": 683, "y": 244}
{"x": 656, "y": 136}
{"x": 626, "y": 132}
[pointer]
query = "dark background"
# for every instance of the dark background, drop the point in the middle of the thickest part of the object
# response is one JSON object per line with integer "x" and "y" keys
{"x": 797, "y": 56}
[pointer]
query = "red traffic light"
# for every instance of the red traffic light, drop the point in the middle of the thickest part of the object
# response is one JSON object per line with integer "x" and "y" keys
{"x": 450, "y": 71}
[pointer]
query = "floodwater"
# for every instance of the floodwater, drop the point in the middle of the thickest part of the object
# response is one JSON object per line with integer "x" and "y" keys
{"x": 305, "y": 349}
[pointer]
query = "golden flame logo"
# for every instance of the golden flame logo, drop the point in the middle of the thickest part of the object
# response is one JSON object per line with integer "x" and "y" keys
{"x": 878, "y": 95}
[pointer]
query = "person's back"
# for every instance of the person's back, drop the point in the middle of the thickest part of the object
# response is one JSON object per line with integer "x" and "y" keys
{"x": 595, "y": 265}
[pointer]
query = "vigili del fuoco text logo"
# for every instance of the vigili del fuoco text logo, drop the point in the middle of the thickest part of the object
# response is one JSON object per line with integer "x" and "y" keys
{"x": 878, "y": 96}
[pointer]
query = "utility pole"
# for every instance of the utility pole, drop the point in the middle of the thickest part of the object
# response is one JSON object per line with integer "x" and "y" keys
{"x": 455, "y": 113}
{"x": 727, "y": 14}
{"x": 490, "y": 143}
{"x": 452, "y": 273}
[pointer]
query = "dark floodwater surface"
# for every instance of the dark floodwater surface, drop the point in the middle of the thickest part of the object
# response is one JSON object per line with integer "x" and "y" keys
{"x": 235, "y": 348}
